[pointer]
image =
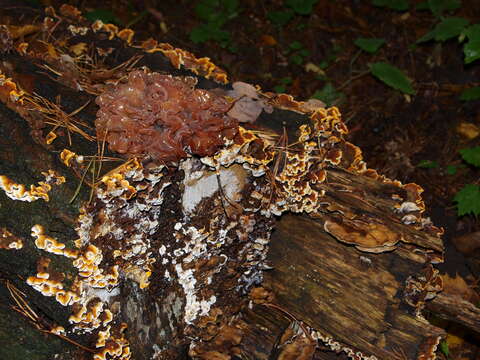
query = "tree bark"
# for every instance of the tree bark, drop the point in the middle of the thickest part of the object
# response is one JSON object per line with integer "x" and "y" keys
{"x": 347, "y": 279}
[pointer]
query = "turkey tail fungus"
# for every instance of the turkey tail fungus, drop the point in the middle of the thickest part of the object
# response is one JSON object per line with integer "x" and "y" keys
{"x": 171, "y": 232}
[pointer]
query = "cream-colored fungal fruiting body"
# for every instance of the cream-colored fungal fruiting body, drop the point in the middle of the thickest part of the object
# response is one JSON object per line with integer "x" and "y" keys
{"x": 19, "y": 191}
{"x": 9, "y": 241}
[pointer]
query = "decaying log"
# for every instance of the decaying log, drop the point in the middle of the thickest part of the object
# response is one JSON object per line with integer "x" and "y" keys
{"x": 275, "y": 243}
{"x": 457, "y": 310}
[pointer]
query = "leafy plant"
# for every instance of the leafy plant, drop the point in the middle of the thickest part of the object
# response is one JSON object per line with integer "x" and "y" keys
{"x": 370, "y": 45}
{"x": 293, "y": 7}
{"x": 438, "y": 7}
{"x": 301, "y": 7}
{"x": 444, "y": 348}
{"x": 472, "y": 93}
{"x": 215, "y": 14}
{"x": 282, "y": 86}
{"x": 280, "y": 18}
{"x": 392, "y": 76}
{"x": 398, "y": 5}
{"x": 427, "y": 164}
{"x": 452, "y": 27}
{"x": 468, "y": 198}
{"x": 471, "y": 49}
{"x": 106, "y": 16}
{"x": 471, "y": 155}
{"x": 297, "y": 52}
{"x": 448, "y": 28}
{"x": 329, "y": 95}
{"x": 451, "y": 170}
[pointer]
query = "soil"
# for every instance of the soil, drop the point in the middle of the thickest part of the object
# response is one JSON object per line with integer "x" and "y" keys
{"x": 397, "y": 132}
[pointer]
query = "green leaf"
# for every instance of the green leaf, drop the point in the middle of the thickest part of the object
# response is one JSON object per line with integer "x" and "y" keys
{"x": 217, "y": 11}
{"x": 472, "y": 93}
{"x": 446, "y": 29}
{"x": 427, "y": 164}
{"x": 279, "y": 89}
{"x": 471, "y": 155}
{"x": 286, "y": 80}
{"x": 444, "y": 348}
{"x": 472, "y": 51}
{"x": 329, "y": 95}
{"x": 206, "y": 32}
{"x": 302, "y": 7}
{"x": 297, "y": 59}
{"x": 370, "y": 45}
{"x": 304, "y": 52}
{"x": 296, "y": 45}
{"x": 106, "y": 16}
{"x": 392, "y": 76}
{"x": 473, "y": 32}
{"x": 438, "y": 7}
{"x": 468, "y": 200}
{"x": 422, "y": 6}
{"x": 280, "y": 18}
{"x": 399, "y": 5}
{"x": 451, "y": 170}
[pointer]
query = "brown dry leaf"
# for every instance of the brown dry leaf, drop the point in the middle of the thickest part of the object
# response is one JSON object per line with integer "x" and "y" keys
{"x": 79, "y": 48}
{"x": 467, "y": 244}
{"x": 468, "y": 130}
{"x": 459, "y": 287}
{"x": 19, "y": 31}
{"x": 268, "y": 40}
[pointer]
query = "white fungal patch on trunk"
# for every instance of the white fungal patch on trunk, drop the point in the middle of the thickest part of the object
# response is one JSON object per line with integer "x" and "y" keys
{"x": 203, "y": 183}
{"x": 193, "y": 307}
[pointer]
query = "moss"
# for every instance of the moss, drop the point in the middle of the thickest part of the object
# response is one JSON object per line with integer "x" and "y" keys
{"x": 20, "y": 340}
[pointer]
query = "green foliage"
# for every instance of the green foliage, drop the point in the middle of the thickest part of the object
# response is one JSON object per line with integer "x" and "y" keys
{"x": 296, "y": 45}
{"x": 448, "y": 28}
{"x": 451, "y": 170}
{"x": 301, "y": 7}
{"x": 282, "y": 86}
{"x": 471, "y": 155}
{"x": 206, "y": 32}
{"x": 427, "y": 164}
{"x": 106, "y": 16}
{"x": 217, "y": 11}
{"x": 328, "y": 94}
{"x": 280, "y": 18}
{"x": 472, "y": 48}
{"x": 214, "y": 13}
{"x": 472, "y": 51}
{"x": 392, "y": 76}
{"x": 297, "y": 53}
{"x": 468, "y": 200}
{"x": 398, "y": 5}
{"x": 444, "y": 348}
{"x": 438, "y": 7}
{"x": 472, "y": 93}
{"x": 370, "y": 45}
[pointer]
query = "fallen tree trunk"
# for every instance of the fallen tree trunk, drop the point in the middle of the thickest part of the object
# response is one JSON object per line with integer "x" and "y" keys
{"x": 165, "y": 254}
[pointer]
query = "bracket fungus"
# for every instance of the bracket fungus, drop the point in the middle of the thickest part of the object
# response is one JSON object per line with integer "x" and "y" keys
{"x": 172, "y": 245}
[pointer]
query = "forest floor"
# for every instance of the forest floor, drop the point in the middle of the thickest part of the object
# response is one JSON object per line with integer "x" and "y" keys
{"x": 310, "y": 48}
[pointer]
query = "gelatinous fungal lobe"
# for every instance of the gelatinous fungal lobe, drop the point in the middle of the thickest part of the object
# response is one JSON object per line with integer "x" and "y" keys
{"x": 164, "y": 117}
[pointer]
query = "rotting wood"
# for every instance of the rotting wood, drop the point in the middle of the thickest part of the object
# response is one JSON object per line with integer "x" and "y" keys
{"x": 361, "y": 295}
{"x": 457, "y": 310}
